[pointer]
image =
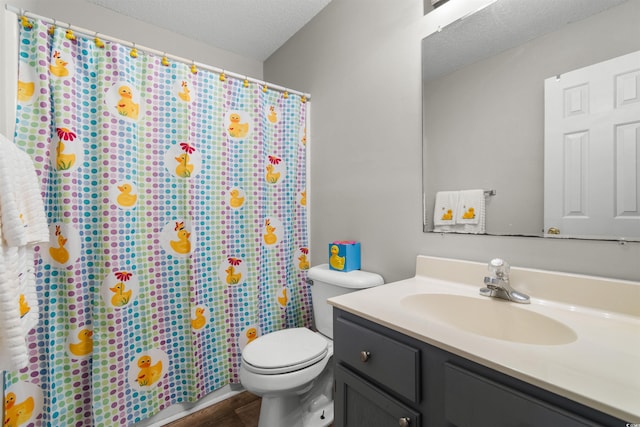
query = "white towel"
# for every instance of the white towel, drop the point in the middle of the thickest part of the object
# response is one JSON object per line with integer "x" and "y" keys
{"x": 13, "y": 346}
{"x": 21, "y": 206}
{"x": 22, "y": 226}
{"x": 33, "y": 216}
{"x": 13, "y": 230}
{"x": 445, "y": 210}
{"x": 471, "y": 212}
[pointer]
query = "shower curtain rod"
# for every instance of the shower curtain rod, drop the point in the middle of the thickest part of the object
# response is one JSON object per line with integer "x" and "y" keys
{"x": 84, "y": 31}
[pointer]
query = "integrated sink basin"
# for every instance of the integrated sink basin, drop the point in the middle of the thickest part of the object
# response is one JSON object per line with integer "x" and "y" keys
{"x": 491, "y": 318}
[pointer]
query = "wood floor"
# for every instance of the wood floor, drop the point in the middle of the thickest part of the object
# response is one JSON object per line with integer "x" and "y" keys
{"x": 241, "y": 410}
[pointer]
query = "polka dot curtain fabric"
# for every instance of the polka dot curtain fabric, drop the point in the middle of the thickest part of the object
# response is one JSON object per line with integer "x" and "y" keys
{"x": 177, "y": 211}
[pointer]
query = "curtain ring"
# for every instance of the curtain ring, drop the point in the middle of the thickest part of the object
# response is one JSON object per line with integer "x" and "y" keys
{"x": 69, "y": 33}
{"x": 52, "y": 28}
{"x": 99, "y": 43}
{"x": 134, "y": 52}
{"x": 26, "y": 24}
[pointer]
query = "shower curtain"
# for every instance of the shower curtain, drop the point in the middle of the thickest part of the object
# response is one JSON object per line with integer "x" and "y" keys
{"x": 176, "y": 205}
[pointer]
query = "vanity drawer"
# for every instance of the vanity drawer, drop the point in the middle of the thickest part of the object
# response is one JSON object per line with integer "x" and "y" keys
{"x": 379, "y": 357}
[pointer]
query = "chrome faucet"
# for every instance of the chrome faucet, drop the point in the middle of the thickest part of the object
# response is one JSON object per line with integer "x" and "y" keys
{"x": 497, "y": 284}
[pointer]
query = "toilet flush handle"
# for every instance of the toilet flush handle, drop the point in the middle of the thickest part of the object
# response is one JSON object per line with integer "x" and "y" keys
{"x": 365, "y": 356}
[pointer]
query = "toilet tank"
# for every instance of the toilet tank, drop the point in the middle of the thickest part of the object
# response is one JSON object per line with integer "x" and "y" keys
{"x": 327, "y": 283}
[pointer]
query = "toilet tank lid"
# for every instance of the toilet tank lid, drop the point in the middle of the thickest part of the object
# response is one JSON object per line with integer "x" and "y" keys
{"x": 356, "y": 279}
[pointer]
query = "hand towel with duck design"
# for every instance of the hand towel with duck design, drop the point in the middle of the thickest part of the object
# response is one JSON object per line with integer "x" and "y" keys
{"x": 471, "y": 211}
{"x": 445, "y": 211}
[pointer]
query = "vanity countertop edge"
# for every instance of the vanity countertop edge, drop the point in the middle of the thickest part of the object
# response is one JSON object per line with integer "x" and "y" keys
{"x": 600, "y": 369}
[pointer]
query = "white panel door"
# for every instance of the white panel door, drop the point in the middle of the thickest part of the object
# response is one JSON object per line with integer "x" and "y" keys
{"x": 592, "y": 150}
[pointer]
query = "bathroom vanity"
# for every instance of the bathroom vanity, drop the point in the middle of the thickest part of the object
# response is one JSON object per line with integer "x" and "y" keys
{"x": 429, "y": 351}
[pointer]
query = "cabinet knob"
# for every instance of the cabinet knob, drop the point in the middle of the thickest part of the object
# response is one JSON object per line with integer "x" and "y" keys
{"x": 404, "y": 422}
{"x": 364, "y": 356}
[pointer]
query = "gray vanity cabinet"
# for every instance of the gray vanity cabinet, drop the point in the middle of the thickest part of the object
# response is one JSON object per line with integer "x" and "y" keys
{"x": 386, "y": 379}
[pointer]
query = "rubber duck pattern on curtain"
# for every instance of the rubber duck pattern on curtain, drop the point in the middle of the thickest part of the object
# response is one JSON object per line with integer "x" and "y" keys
{"x": 177, "y": 209}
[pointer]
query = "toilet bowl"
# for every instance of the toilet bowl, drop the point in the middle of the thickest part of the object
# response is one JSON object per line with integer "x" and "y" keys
{"x": 286, "y": 386}
{"x": 292, "y": 369}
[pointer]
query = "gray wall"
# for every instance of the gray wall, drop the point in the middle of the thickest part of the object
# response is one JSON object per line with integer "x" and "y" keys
{"x": 360, "y": 60}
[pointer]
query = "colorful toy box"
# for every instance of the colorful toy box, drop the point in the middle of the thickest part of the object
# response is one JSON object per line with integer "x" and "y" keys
{"x": 344, "y": 255}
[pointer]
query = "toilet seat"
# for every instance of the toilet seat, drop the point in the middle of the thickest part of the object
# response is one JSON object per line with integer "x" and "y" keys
{"x": 284, "y": 351}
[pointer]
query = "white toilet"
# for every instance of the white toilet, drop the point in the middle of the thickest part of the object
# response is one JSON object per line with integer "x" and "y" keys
{"x": 291, "y": 368}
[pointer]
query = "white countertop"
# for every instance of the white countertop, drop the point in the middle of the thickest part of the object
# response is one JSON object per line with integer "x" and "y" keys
{"x": 600, "y": 369}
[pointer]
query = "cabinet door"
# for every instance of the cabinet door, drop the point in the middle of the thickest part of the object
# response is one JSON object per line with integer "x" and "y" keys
{"x": 360, "y": 404}
{"x": 474, "y": 401}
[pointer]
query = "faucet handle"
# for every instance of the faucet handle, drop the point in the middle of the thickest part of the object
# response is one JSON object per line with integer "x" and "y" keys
{"x": 499, "y": 267}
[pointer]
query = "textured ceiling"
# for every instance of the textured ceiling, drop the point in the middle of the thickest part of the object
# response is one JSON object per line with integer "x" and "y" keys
{"x": 498, "y": 27}
{"x": 251, "y": 28}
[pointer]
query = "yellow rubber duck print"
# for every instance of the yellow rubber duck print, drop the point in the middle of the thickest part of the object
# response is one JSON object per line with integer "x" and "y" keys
{"x": 16, "y": 414}
{"x": 337, "y": 262}
{"x": 182, "y": 245}
{"x": 272, "y": 177}
{"x": 59, "y": 254}
{"x": 303, "y": 198}
{"x": 184, "y": 168}
{"x": 447, "y": 216}
{"x": 200, "y": 320}
{"x": 273, "y": 115}
{"x": 184, "y": 94}
{"x": 64, "y": 161}
{"x": 125, "y": 198}
{"x": 148, "y": 374}
{"x": 251, "y": 334}
{"x": 126, "y": 107}
{"x": 233, "y": 278}
{"x": 235, "y": 201}
{"x": 269, "y": 237}
{"x": 25, "y": 90}
{"x": 24, "y": 306}
{"x": 85, "y": 346}
{"x": 237, "y": 129}
{"x": 121, "y": 296}
{"x": 304, "y": 137}
{"x": 283, "y": 299}
{"x": 469, "y": 214}
{"x": 59, "y": 67}
{"x": 304, "y": 262}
